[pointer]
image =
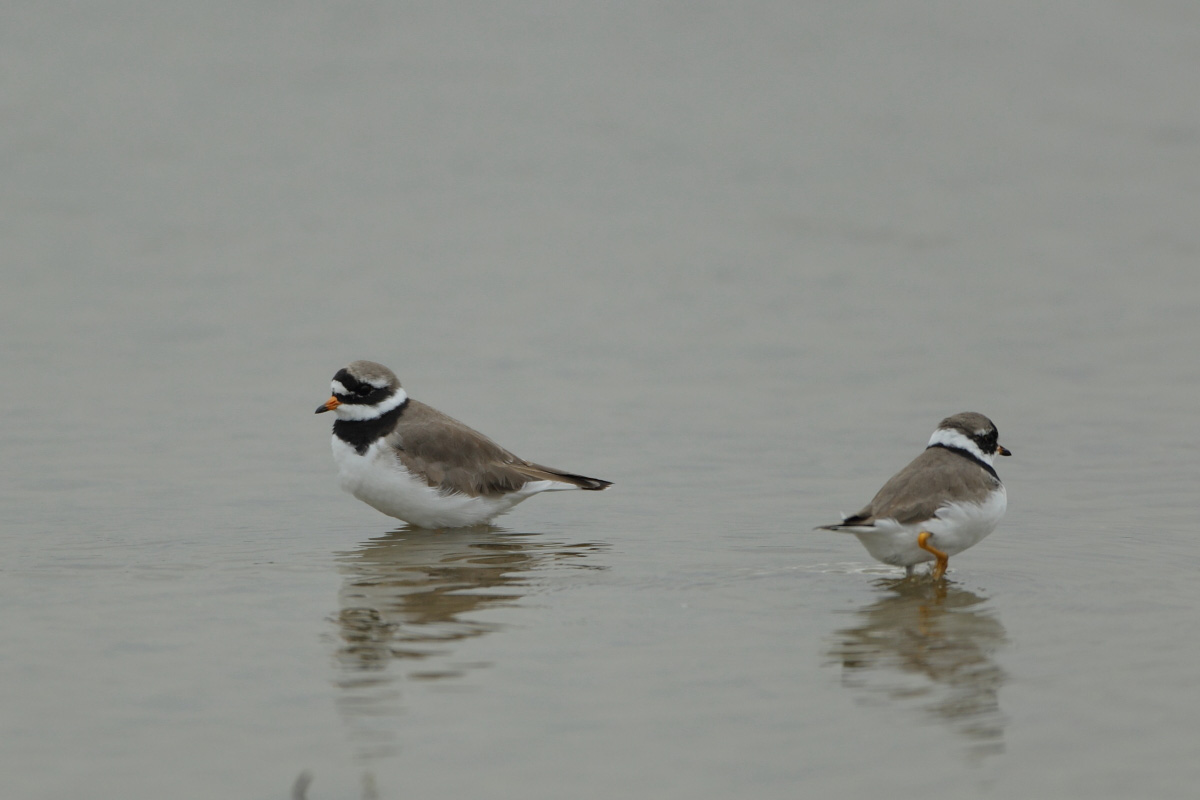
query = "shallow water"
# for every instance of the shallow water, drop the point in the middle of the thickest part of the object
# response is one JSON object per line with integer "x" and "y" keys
{"x": 739, "y": 262}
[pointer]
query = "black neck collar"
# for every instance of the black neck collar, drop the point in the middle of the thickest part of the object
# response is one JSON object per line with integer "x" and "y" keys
{"x": 360, "y": 433}
{"x": 967, "y": 454}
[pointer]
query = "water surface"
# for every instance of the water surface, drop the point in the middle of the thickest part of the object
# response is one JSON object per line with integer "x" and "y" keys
{"x": 739, "y": 261}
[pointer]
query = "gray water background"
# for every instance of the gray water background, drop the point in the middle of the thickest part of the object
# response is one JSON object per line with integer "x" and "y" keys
{"x": 738, "y": 259}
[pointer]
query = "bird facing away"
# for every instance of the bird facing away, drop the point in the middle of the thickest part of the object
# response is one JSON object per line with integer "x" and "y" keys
{"x": 948, "y": 499}
{"x": 415, "y": 463}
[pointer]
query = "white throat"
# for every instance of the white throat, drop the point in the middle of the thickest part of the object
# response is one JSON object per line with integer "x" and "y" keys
{"x": 357, "y": 413}
{"x": 955, "y": 439}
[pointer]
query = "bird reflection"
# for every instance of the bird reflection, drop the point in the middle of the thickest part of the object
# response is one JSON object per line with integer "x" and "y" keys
{"x": 931, "y": 645}
{"x": 411, "y": 597}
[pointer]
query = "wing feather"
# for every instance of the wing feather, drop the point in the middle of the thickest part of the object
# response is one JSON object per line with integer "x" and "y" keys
{"x": 917, "y": 492}
{"x": 454, "y": 458}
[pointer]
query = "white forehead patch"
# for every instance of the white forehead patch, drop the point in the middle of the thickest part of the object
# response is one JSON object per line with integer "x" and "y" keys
{"x": 337, "y": 388}
{"x": 354, "y": 411}
{"x": 956, "y": 439}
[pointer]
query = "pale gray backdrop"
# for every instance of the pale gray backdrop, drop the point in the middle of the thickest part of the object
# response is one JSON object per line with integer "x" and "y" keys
{"x": 739, "y": 259}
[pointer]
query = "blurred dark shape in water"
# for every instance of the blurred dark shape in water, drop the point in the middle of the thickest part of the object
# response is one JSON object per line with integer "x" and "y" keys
{"x": 931, "y": 645}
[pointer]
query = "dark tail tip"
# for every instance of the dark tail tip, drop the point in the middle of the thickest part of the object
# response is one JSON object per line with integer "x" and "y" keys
{"x": 591, "y": 484}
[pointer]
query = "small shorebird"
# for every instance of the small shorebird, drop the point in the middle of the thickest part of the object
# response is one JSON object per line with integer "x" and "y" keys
{"x": 945, "y": 501}
{"x": 413, "y": 462}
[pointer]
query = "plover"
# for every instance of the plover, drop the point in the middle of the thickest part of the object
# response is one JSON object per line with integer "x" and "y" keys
{"x": 948, "y": 499}
{"x": 415, "y": 463}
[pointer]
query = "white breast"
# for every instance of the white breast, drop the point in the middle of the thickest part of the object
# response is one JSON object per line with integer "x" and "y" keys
{"x": 962, "y": 525}
{"x": 956, "y": 527}
{"x": 379, "y": 479}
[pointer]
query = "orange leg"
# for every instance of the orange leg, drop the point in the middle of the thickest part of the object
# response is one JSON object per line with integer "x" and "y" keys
{"x": 943, "y": 560}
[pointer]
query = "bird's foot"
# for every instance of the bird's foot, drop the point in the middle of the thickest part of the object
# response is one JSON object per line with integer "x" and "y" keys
{"x": 943, "y": 560}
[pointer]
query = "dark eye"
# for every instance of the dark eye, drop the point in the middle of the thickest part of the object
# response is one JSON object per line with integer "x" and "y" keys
{"x": 364, "y": 389}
